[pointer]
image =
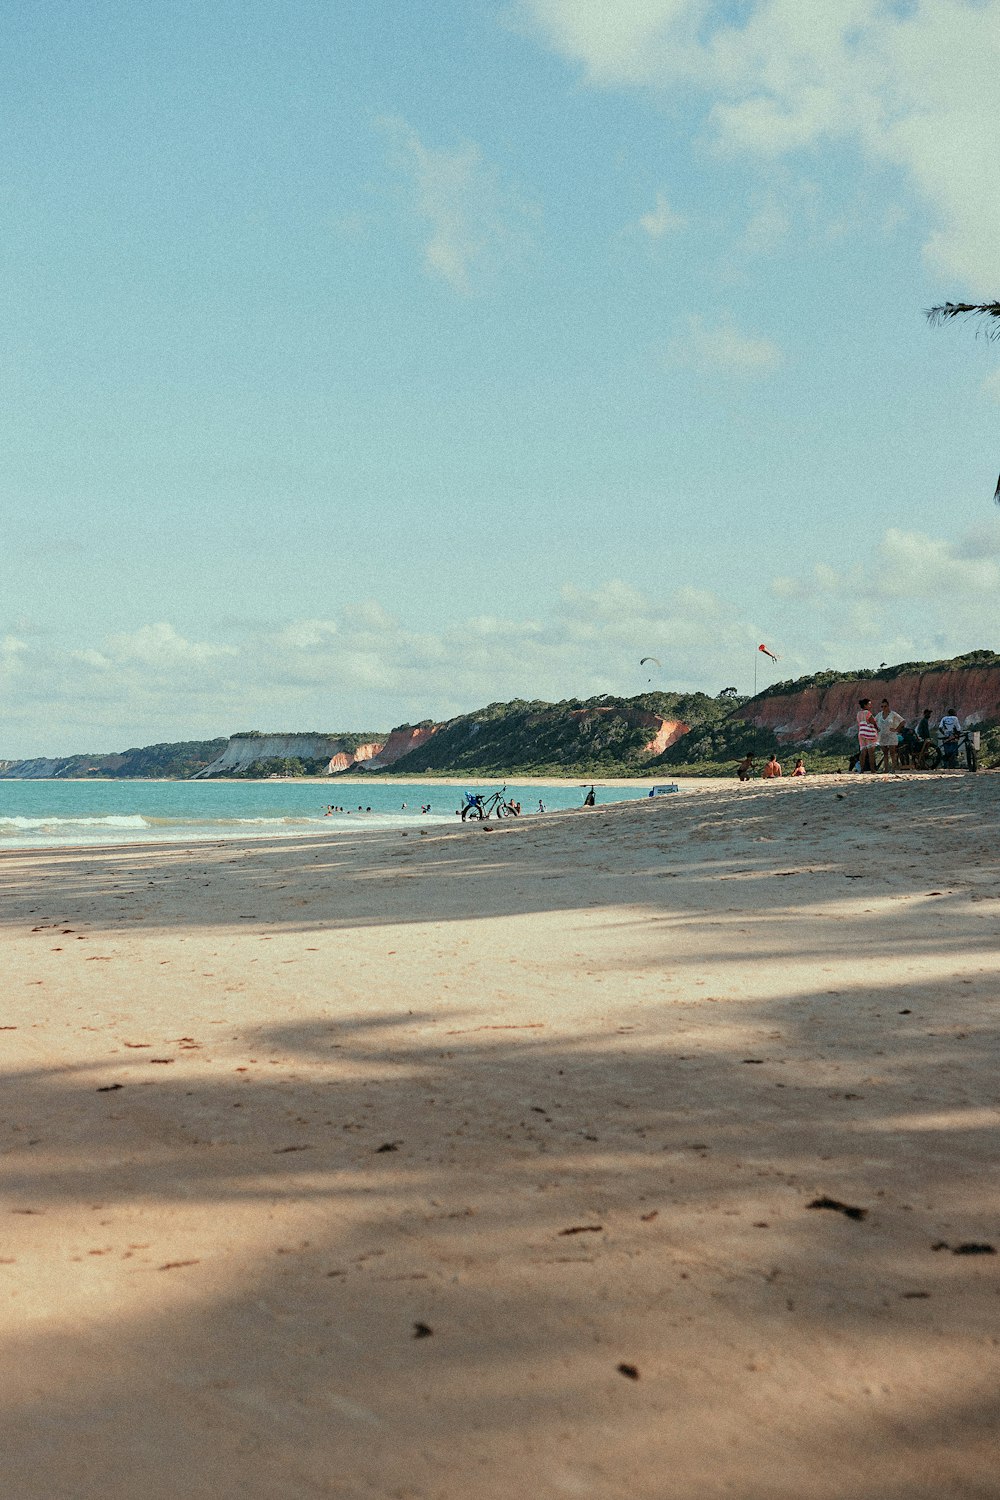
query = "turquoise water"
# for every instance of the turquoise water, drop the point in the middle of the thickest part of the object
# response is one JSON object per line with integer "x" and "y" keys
{"x": 58, "y": 814}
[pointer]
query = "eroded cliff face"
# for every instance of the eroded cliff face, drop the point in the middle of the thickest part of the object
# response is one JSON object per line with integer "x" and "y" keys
{"x": 400, "y": 743}
{"x": 667, "y": 734}
{"x": 816, "y": 713}
{"x": 344, "y": 760}
{"x": 667, "y": 731}
{"x": 243, "y": 750}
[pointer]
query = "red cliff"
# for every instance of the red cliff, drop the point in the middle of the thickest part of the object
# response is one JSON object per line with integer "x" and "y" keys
{"x": 400, "y": 743}
{"x": 346, "y": 759}
{"x": 816, "y": 712}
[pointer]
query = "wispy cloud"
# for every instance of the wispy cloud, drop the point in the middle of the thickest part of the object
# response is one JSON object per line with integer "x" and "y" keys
{"x": 915, "y": 87}
{"x": 361, "y": 667}
{"x": 720, "y": 348}
{"x": 661, "y": 219}
{"x": 918, "y": 596}
{"x": 471, "y": 222}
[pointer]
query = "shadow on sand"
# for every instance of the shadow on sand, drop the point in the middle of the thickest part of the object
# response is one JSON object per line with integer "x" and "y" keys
{"x": 555, "y": 1211}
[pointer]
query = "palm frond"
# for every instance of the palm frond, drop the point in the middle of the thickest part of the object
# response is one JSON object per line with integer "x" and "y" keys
{"x": 949, "y": 310}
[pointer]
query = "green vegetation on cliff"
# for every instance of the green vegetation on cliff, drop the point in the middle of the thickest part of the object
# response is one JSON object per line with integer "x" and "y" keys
{"x": 155, "y": 762}
{"x": 349, "y": 739}
{"x": 601, "y": 736}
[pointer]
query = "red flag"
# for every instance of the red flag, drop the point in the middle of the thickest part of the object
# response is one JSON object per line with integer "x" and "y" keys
{"x": 767, "y": 653}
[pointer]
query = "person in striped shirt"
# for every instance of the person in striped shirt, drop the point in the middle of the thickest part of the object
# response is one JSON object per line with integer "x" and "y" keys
{"x": 867, "y": 734}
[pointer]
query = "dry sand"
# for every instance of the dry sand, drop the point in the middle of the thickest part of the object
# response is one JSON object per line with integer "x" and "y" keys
{"x": 561, "y": 1094}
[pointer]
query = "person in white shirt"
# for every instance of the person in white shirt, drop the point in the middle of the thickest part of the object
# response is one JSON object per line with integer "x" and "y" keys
{"x": 888, "y": 723}
{"x": 950, "y": 729}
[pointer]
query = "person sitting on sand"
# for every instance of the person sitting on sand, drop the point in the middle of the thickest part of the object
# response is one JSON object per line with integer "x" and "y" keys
{"x": 772, "y": 768}
{"x": 800, "y": 769}
{"x": 744, "y": 770}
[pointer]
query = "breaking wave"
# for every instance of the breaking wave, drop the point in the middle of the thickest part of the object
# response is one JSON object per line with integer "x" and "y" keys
{"x": 122, "y": 821}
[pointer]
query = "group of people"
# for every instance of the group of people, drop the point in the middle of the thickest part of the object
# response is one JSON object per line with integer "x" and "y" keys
{"x": 747, "y": 768}
{"x": 888, "y": 732}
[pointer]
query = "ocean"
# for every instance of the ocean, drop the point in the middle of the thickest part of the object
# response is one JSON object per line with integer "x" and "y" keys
{"x": 65, "y": 814}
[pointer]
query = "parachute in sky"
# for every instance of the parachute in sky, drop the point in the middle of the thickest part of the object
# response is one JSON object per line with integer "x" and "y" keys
{"x": 651, "y": 661}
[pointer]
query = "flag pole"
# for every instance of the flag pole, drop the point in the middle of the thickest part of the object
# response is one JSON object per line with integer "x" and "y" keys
{"x": 755, "y": 694}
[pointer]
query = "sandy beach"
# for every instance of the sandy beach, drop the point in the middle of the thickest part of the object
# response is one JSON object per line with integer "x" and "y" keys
{"x": 648, "y": 1151}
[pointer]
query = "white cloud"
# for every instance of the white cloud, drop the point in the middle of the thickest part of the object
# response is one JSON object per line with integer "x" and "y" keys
{"x": 918, "y": 597}
{"x": 160, "y": 646}
{"x": 766, "y": 228}
{"x": 12, "y": 653}
{"x": 305, "y": 635}
{"x": 369, "y": 615}
{"x": 362, "y": 668}
{"x": 630, "y": 41}
{"x": 472, "y": 221}
{"x": 721, "y": 348}
{"x": 661, "y": 219}
{"x": 915, "y": 88}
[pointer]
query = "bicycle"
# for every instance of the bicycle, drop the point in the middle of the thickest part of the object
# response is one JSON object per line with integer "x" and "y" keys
{"x": 965, "y": 741}
{"x": 928, "y": 757}
{"x": 484, "y": 807}
{"x": 931, "y": 754}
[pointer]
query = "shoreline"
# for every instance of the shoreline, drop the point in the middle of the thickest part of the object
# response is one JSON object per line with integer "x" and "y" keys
{"x": 344, "y": 780}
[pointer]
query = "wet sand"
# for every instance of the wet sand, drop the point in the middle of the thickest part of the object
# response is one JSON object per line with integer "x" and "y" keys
{"x": 478, "y": 1163}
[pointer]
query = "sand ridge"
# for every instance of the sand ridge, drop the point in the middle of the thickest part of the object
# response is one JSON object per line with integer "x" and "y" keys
{"x": 469, "y": 1162}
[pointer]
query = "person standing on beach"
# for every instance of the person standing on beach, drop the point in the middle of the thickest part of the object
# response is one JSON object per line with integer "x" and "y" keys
{"x": 867, "y": 734}
{"x": 744, "y": 770}
{"x": 950, "y": 729}
{"x": 590, "y": 800}
{"x": 889, "y": 723}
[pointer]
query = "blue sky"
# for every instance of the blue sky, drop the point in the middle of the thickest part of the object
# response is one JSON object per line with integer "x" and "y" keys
{"x": 365, "y": 362}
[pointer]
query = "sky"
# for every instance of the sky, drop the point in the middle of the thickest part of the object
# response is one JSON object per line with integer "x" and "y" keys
{"x": 365, "y": 362}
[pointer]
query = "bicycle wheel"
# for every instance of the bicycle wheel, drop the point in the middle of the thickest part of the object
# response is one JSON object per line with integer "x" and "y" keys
{"x": 930, "y": 757}
{"x": 971, "y": 758}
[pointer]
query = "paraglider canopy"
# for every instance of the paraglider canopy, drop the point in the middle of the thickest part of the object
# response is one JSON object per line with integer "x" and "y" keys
{"x": 653, "y": 661}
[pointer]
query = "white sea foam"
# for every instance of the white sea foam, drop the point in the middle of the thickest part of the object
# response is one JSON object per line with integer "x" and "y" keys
{"x": 124, "y": 821}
